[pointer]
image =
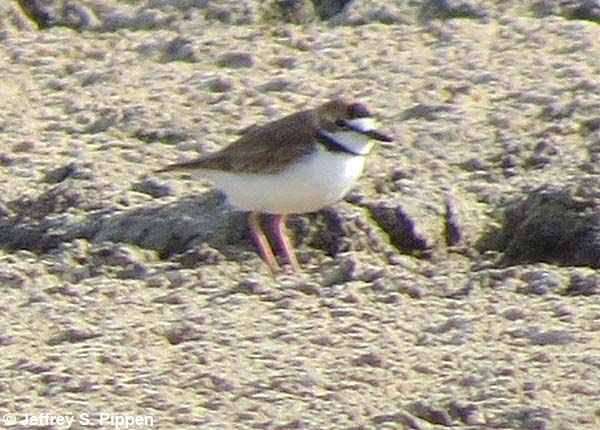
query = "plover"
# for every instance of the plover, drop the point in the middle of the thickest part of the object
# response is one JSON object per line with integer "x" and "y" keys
{"x": 297, "y": 164}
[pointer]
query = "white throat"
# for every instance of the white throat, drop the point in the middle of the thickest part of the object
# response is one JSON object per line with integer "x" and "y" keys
{"x": 354, "y": 141}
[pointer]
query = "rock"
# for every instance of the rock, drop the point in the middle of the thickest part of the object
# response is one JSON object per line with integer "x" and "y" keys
{"x": 550, "y": 337}
{"x": 570, "y": 9}
{"x": 449, "y": 9}
{"x": 278, "y": 85}
{"x": 152, "y": 188}
{"x": 370, "y": 359}
{"x": 468, "y": 413}
{"x": 72, "y": 335}
{"x": 60, "y": 174}
{"x": 400, "y": 418}
{"x": 172, "y": 229}
{"x": 338, "y": 273}
{"x": 583, "y": 285}
{"x": 367, "y": 11}
{"x": 553, "y": 224}
{"x": 38, "y": 12}
{"x": 233, "y": 11}
{"x": 180, "y": 49}
{"x": 236, "y": 60}
{"x": 185, "y": 332}
{"x": 286, "y": 62}
{"x": 400, "y": 228}
{"x": 292, "y": 11}
{"x": 430, "y": 413}
{"x": 221, "y": 85}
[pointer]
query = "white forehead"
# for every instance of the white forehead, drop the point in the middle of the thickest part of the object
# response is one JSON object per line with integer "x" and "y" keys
{"x": 363, "y": 124}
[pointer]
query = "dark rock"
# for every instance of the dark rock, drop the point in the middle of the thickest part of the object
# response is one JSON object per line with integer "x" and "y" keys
{"x": 426, "y": 112}
{"x": 531, "y": 418}
{"x": 581, "y": 285}
{"x": 551, "y": 337}
{"x": 38, "y": 12}
{"x": 152, "y": 188}
{"x": 293, "y": 11}
{"x": 539, "y": 282}
{"x": 330, "y": 233}
{"x": 309, "y": 288}
{"x": 232, "y": 12}
{"x": 60, "y": 174}
{"x": 24, "y": 146}
{"x": 236, "y": 60}
{"x": 399, "y": 227}
{"x": 339, "y": 273}
{"x": 514, "y": 314}
{"x": 175, "y": 228}
{"x": 287, "y": 62}
{"x": 559, "y": 225}
{"x": 402, "y": 419}
{"x": 454, "y": 323}
{"x": 430, "y": 413}
{"x": 558, "y": 110}
{"x": 451, "y": 9}
{"x": 571, "y": 9}
{"x": 78, "y": 16}
{"x": 277, "y": 85}
{"x": 127, "y": 261}
{"x": 221, "y": 85}
{"x": 468, "y": 413}
{"x": 57, "y": 199}
{"x": 370, "y": 359}
{"x": 170, "y": 299}
{"x": 164, "y": 136}
{"x": 200, "y": 255}
{"x": 452, "y": 230}
{"x": 538, "y": 336}
{"x": 133, "y": 271}
{"x": 329, "y": 8}
{"x": 104, "y": 120}
{"x": 591, "y": 124}
{"x": 180, "y": 49}
{"x": 72, "y": 336}
{"x": 365, "y": 12}
{"x": 184, "y": 332}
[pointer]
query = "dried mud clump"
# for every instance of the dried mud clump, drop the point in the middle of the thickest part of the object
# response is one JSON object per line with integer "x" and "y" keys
{"x": 551, "y": 225}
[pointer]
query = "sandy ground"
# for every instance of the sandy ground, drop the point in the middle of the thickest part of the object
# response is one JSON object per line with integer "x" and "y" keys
{"x": 456, "y": 286}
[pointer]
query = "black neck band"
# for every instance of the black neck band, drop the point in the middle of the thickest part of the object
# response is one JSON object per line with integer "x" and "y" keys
{"x": 333, "y": 145}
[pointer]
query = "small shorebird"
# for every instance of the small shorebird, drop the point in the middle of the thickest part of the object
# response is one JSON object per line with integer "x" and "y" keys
{"x": 297, "y": 164}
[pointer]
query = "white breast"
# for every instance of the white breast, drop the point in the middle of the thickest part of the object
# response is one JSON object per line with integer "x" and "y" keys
{"x": 314, "y": 182}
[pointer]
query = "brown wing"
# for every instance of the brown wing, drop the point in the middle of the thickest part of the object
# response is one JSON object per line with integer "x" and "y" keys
{"x": 263, "y": 149}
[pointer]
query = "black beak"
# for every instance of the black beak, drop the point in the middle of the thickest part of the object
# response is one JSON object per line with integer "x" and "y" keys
{"x": 373, "y": 134}
{"x": 377, "y": 135}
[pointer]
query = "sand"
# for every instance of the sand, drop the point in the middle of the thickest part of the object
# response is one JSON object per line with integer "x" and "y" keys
{"x": 456, "y": 286}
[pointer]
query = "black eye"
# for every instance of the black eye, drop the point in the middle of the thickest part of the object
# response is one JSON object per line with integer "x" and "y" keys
{"x": 341, "y": 123}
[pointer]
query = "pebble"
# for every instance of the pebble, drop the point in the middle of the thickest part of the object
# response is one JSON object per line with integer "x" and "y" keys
{"x": 236, "y": 60}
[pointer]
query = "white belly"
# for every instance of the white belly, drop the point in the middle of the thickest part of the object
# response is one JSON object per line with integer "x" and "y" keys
{"x": 321, "y": 178}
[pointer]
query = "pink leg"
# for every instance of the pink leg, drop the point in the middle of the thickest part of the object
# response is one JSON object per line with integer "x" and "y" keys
{"x": 261, "y": 242}
{"x": 282, "y": 242}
